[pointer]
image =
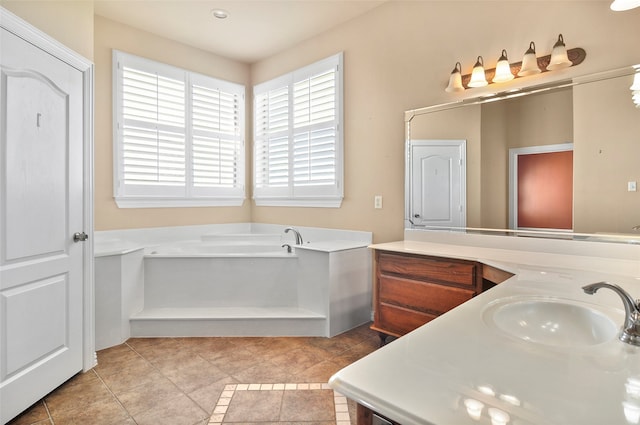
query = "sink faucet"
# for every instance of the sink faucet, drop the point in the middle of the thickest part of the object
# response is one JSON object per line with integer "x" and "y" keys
{"x": 631, "y": 329}
{"x": 298, "y": 236}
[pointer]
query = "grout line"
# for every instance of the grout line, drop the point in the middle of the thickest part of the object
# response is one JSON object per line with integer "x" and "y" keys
{"x": 115, "y": 397}
{"x": 46, "y": 408}
{"x": 341, "y": 408}
{"x": 154, "y": 367}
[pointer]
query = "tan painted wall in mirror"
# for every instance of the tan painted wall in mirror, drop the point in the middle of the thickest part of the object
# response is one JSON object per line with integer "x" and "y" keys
{"x": 606, "y": 157}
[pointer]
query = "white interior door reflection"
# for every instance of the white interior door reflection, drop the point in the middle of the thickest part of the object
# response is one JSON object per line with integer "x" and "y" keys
{"x": 438, "y": 183}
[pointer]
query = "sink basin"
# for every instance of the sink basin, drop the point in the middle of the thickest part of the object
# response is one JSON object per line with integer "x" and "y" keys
{"x": 554, "y": 322}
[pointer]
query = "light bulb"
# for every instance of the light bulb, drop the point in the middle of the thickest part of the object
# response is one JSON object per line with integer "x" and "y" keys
{"x": 503, "y": 69}
{"x": 478, "y": 78}
{"x": 455, "y": 79}
{"x": 529, "y": 62}
{"x": 559, "y": 57}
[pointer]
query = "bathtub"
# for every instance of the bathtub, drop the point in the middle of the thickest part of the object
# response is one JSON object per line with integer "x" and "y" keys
{"x": 227, "y": 271}
{"x": 224, "y": 248}
{"x": 248, "y": 284}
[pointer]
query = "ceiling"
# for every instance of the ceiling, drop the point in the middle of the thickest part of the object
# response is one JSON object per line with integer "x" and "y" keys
{"x": 254, "y": 29}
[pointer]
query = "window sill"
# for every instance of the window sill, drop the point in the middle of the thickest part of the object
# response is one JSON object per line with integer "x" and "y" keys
{"x": 177, "y": 203}
{"x": 307, "y": 203}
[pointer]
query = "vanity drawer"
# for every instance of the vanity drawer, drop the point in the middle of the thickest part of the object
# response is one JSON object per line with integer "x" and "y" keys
{"x": 421, "y": 296}
{"x": 428, "y": 268}
{"x": 399, "y": 321}
{"x": 412, "y": 289}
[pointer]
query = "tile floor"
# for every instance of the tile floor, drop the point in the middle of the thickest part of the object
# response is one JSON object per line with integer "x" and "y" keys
{"x": 201, "y": 381}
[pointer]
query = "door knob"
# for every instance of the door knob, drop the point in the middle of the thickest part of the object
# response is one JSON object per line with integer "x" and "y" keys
{"x": 416, "y": 215}
{"x": 80, "y": 237}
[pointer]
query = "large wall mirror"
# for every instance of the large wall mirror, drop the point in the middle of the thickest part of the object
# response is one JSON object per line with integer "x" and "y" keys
{"x": 593, "y": 114}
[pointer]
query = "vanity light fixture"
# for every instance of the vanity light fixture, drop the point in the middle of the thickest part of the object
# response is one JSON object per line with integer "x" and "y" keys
{"x": 486, "y": 390}
{"x": 635, "y": 88}
{"x": 513, "y": 400}
{"x": 498, "y": 417}
{"x": 559, "y": 56}
{"x": 633, "y": 387}
{"x": 474, "y": 408}
{"x": 220, "y": 13}
{"x": 503, "y": 69}
{"x": 455, "y": 79}
{"x": 631, "y": 411}
{"x": 621, "y": 5}
{"x": 529, "y": 62}
{"x": 478, "y": 77}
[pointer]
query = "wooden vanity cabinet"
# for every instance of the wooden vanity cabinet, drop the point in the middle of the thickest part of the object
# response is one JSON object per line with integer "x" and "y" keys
{"x": 411, "y": 290}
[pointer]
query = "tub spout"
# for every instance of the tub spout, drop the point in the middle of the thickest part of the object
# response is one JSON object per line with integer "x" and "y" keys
{"x": 631, "y": 328}
{"x": 298, "y": 236}
{"x": 286, "y": 245}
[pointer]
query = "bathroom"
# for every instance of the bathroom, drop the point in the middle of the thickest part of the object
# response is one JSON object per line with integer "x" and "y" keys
{"x": 401, "y": 65}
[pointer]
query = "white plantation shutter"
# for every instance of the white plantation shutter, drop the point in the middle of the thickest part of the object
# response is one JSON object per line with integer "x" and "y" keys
{"x": 315, "y": 130}
{"x": 153, "y": 129}
{"x": 298, "y": 137}
{"x": 179, "y": 136}
{"x": 314, "y": 158}
{"x": 271, "y": 147}
{"x": 217, "y": 155}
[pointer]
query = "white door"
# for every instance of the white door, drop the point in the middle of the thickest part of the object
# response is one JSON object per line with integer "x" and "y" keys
{"x": 41, "y": 194}
{"x": 438, "y": 176}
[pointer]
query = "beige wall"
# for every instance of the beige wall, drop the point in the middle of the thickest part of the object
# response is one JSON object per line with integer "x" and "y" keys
{"x": 397, "y": 57}
{"x": 69, "y": 22}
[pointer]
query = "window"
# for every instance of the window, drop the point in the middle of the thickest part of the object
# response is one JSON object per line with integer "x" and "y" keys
{"x": 297, "y": 152}
{"x": 179, "y": 136}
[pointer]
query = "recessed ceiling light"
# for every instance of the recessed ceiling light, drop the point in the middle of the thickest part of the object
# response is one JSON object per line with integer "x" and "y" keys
{"x": 621, "y": 5}
{"x": 220, "y": 13}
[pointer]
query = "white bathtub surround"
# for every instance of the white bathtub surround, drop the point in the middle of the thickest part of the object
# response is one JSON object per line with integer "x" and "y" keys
{"x": 238, "y": 280}
{"x": 119, "y": 295}
{"x": 463, "y": 369}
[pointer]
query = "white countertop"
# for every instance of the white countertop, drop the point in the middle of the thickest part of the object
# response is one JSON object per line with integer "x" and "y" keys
{"x": 426, "y": 376}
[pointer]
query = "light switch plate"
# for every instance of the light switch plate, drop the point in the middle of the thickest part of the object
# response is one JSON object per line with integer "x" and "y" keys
{"x": 631, "y": 186}
{"x": 377, "y": 201}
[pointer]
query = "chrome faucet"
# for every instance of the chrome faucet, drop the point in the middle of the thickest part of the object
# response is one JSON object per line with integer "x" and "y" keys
{"x": 631, "y": 329}
{"x": 298, "y": 236}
